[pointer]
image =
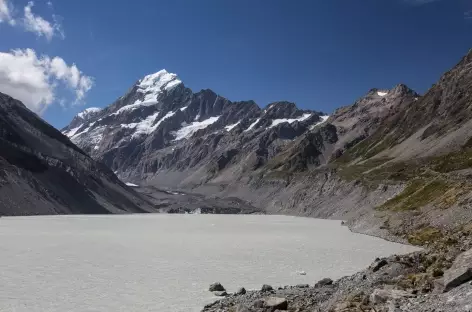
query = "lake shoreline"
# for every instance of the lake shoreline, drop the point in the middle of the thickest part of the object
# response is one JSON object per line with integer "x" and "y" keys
{"x": 413, "y": 282}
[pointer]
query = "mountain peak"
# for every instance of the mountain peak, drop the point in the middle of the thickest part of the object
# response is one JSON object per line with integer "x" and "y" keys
{"x": 158, "y": 81}
{"x": 400, "y": 89}
{"x": 84, "y": 116}
{"x": 86, "y": 112}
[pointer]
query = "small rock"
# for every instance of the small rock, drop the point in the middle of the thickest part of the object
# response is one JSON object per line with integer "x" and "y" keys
{"x": 301, "y": 272}
{"x": 302, "y": 286}
{"x": 216, "y": 287}
{"x": 324, "y": 282}
{"x": 241, "y": 291}
{"x": 220, "y": 293}
{"x": 266, "y": 287}
{"x": 378, "y": 265}
{"x": 241, "y": 308}
{"x": 274, "y": 303}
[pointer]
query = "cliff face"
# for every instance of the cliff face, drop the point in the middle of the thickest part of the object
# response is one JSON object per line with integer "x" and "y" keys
{"x": 42, "y": 172}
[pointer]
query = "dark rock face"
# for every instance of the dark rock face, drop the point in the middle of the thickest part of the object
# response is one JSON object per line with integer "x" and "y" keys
{"x": 266, "y": 287}
{"x": 216, "y": 287}
{"x": 379, "y": 264}
{"x": 42, "y": 172}
{"x": 324, "y": 282}
{"x": 459, "y": 273}
{"x": 275, "y": 303}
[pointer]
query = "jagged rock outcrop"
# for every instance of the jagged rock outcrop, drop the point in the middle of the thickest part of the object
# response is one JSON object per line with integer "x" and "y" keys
{"x": 42, "y": 172}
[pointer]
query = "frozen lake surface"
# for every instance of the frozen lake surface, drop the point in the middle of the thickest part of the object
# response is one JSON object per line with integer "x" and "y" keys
{"x": 166, "y": 262}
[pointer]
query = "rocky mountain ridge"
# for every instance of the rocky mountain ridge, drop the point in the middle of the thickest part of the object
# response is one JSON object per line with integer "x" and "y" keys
{"x": 42, "y": 172}
{"x": 160, "y": 124}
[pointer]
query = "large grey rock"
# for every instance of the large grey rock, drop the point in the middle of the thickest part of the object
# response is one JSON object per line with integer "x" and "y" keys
{"x": 241, "y": 291}
{"x": 266, "y": 287}
{"x": 459, "y": 273}
{"x": 275, "y": 303}
{"x": 259, "y": 303}
{"x": 380, "y": 296}
{"x": 324, "y": 282}
{"x": 379, "y": 264}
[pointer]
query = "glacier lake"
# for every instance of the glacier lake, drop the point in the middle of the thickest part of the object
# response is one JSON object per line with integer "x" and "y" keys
{"x": 166, "y": 262}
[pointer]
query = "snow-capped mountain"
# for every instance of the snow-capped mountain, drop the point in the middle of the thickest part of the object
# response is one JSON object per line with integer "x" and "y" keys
{"x": 159, "y": 124}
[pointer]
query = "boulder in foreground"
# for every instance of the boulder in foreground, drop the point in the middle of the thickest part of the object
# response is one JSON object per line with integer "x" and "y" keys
{"x": 216, "y": 287}
{"x": 459, "y": 273}
{"x": 274, "y": 303}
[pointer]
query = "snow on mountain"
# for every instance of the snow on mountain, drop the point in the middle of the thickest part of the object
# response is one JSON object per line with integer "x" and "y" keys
{"x": 147, "y": 125}
{"x": 231, "y": 127}
{"x": 158, "y": 81}
{"x": 253, "y": 125}
{"x": 323, "y": 120}
{"x": 159, "y": 124}
{"x": 152, "y": 86}
{"x": 276, "y": 122}
{"x": 72, "y": 131}
{"x": 188, "y": 130}
{"x": 88, "y": 111}
{"x": 380, "y": 93}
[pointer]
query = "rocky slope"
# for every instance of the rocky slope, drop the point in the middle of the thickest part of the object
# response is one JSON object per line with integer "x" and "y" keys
{"x": 42, "y": 172}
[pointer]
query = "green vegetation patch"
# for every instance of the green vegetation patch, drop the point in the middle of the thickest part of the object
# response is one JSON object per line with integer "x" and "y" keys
{"x": 453, "y": 161}
{"x": 358, "y": 172}
{"x": 416, "y": 195}
{"x": 424, "y": 236}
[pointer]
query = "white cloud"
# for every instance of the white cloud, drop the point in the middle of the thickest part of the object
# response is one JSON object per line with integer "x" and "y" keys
{"x": 38, "y": 25}
{"x": 72, "y": 76}
{"x": 35, "y": 80}
{"x": 32, "y": 22}
{"x": 6, "y": 13}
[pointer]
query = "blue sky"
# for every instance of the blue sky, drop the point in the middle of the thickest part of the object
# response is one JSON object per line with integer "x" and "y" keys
{"x": 318, "y": 54}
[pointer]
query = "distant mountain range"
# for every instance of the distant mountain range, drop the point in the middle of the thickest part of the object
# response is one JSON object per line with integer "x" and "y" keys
{"x": 382, "y": 163}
